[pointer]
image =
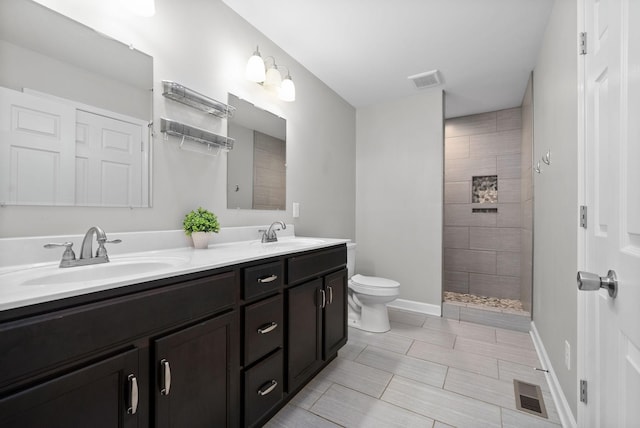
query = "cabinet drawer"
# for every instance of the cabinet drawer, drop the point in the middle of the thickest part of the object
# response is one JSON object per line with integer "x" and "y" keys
{"x": 263, "y": 328}
{"x": 310, "y": 265}
{"x": 262, "y": 388}
{"x": 261, "y": 279}
{"x": 41, "y": 342}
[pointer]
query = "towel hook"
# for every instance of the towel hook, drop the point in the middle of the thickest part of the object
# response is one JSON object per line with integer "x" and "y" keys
{"x": 537, "y": 168}
{"x": 547, "y": 158}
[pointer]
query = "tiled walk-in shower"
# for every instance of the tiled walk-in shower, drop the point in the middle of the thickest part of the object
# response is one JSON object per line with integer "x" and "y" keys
{"x": 488, "y": 220}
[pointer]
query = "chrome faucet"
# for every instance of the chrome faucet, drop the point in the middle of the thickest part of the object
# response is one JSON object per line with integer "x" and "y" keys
{"x": 269, "y": 235}
{"x": 86, "y": 252}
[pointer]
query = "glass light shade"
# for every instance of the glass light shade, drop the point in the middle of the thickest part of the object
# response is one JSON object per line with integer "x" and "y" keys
{"x": 287, "y": 90}
{"x": 255, "y": 68}
{"x": 273, "y": 78}
{"x": 145, "y": 8}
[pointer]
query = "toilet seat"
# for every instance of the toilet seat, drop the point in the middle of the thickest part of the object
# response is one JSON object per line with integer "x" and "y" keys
{"x": 373, "y": 286}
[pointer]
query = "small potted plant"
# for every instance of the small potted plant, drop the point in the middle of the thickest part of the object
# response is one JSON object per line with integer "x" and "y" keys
{"x": 200, "y": 224}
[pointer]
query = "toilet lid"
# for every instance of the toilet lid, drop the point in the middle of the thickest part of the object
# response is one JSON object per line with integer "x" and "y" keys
{"x": 374, "y": 281}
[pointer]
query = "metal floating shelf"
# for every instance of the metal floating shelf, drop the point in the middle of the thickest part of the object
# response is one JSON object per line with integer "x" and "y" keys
{"x": 177, "y": 129}
{"x": 184, "y": 95}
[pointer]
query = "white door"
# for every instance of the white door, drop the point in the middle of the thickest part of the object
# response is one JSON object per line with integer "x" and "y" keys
{"x": 37, "y": 150}
{"x": 610, "y": 327}
{"x": 109, "y": 161}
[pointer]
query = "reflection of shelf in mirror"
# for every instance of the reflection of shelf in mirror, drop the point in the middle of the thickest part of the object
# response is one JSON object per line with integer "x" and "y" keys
{"x": 184, "y": 95}
{"x": 177, "y": 129}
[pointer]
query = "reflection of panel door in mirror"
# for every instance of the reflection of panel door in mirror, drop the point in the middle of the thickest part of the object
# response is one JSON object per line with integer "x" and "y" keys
{"x": 37, "y": 153}
{"x": 269, "y": 173}
{"x": 109, "y": 156}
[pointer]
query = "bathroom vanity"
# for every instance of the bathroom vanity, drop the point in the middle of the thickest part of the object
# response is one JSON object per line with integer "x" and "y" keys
{"x": 218, "y": 344}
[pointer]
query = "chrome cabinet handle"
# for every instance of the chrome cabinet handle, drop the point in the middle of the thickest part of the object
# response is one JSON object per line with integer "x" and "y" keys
{"x": 165, "y": 377}
{"x": 330, "y": 295}
{"x": 267, "y": 279}
{"x": 268, "y": 328}
{"x": 324, "y": 298}
{"x": 132, "y": 405}
{"x": 590, "y": 281}
{"x": 267, "y": 387}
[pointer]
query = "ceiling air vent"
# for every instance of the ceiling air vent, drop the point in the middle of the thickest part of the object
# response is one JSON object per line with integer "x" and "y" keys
{"x": 427, "y": 79}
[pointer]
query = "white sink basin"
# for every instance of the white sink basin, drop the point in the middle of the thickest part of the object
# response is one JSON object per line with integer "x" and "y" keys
{"x": 112, "y": 270}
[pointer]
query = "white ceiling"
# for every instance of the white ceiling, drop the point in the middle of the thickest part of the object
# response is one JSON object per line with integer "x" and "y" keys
{"x": 365, "y": 49}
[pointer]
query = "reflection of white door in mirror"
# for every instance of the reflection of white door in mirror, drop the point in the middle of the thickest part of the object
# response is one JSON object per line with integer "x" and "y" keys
{"x": 37, "y": 153}
{"x": 82, "y": 155}
{"x": 108, "y": 161}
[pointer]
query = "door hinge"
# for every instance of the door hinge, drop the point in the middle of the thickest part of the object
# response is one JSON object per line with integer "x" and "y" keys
{"x": 583, "y": 44}
{"x": 583, "y": 216}
{"x": 583, "y": 391}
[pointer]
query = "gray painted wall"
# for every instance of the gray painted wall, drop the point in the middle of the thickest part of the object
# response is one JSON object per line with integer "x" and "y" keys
{"x": 555, "y": 97}
{"x": 205, "y": 45}
{"x": 399, "y": 194}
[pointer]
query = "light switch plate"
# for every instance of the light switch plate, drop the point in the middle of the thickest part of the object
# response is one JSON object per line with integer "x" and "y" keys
{"x": 296, "y": 210}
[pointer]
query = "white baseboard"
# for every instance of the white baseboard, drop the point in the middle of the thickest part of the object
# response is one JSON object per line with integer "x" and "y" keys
{"x": 413, "y": 306}
{"x": 562, "y": 405}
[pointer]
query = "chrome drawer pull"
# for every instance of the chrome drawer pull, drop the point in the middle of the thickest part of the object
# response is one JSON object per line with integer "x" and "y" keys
{"x": 324, "y": 299}
{"x": 165, "y": 377}
{"x": 330, "y": 295}
{"x": 266, "y": 279}
{"x": 267, "y": 387}
{"x": 132, "y": 406}
{"x": 268, "y": 328}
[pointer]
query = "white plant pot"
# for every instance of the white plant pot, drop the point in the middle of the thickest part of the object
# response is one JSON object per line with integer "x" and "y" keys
{"x": 201, "y": 239}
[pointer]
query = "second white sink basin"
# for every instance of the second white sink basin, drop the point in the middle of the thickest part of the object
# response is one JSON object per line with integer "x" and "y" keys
{"x": 113, "y": 269}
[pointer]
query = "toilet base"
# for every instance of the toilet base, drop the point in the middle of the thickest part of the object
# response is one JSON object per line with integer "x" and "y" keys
{"x": 372, "y": 317}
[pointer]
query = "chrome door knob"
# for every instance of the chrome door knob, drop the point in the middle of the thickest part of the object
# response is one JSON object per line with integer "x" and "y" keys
{"x": 590, "y": 281}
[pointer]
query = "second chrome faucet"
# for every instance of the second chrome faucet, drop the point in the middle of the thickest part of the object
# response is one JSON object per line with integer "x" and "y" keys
{"x": 269, "y": 235}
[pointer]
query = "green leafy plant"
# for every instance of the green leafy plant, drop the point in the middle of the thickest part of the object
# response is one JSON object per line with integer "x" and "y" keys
{"x": 200, "y": 220}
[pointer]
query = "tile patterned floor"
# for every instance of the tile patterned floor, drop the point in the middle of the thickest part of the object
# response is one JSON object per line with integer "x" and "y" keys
{"x": 425, "y": 372}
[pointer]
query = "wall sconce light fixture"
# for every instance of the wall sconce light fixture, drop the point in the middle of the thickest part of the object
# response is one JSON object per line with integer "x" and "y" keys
{"x": 257, "y": 71}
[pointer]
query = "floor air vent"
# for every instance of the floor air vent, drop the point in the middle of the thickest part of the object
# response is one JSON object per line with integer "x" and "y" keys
{"x": 529, "y": 398}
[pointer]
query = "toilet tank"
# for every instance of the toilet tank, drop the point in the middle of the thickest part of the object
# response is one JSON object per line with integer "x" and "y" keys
{"x": 351, "y": 259}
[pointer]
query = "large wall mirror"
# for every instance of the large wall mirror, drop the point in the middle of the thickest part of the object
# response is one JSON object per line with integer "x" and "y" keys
{"x": 75, "y": 108}
{"x": 256, "y": 167}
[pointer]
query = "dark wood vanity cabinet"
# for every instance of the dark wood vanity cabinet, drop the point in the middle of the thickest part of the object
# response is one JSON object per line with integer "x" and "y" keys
{"x": 316, "y": 312}
{"x": 225, "y": 347}
{"x": 100, "y": 363}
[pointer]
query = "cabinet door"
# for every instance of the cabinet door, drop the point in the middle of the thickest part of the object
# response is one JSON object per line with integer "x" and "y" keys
{"x": 334, "y": 322}
{"x": 195, "y": 380}
{"x": 100, "y": 395}
{"x": 304, "y": 332}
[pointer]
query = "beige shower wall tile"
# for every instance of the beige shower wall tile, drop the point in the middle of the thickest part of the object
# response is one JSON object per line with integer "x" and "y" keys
{"x": 494, "y": 238}
{"x": 509, "y": 119}
{"x": 458, "y": 282}
{"x": 457, "y": 192}
{"x": 461, "y": 215}
{"x": 509, "y": 215}
{"x": 495, "y": 144}
{"x": 470, "y": 125}
{"x": 456, "y": 148}
{"x": 464, "y": 169}
{"x": 508, "y": 166}
{"x": 470, "y": 261}
{"x": 509, "y": 190}
{"x": 509, "y": 264}
{"x": 456, "y": 237}
{"x": 503, "y": 287}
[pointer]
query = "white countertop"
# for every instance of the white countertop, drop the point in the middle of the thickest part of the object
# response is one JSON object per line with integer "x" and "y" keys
{"x": 28, "y": 284}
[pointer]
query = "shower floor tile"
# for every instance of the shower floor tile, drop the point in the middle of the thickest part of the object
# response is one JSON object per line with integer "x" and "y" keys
{"x": 488, "y": 303}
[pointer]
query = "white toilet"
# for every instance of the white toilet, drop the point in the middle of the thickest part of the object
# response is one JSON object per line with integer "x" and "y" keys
{"x": 368, "y": 298}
